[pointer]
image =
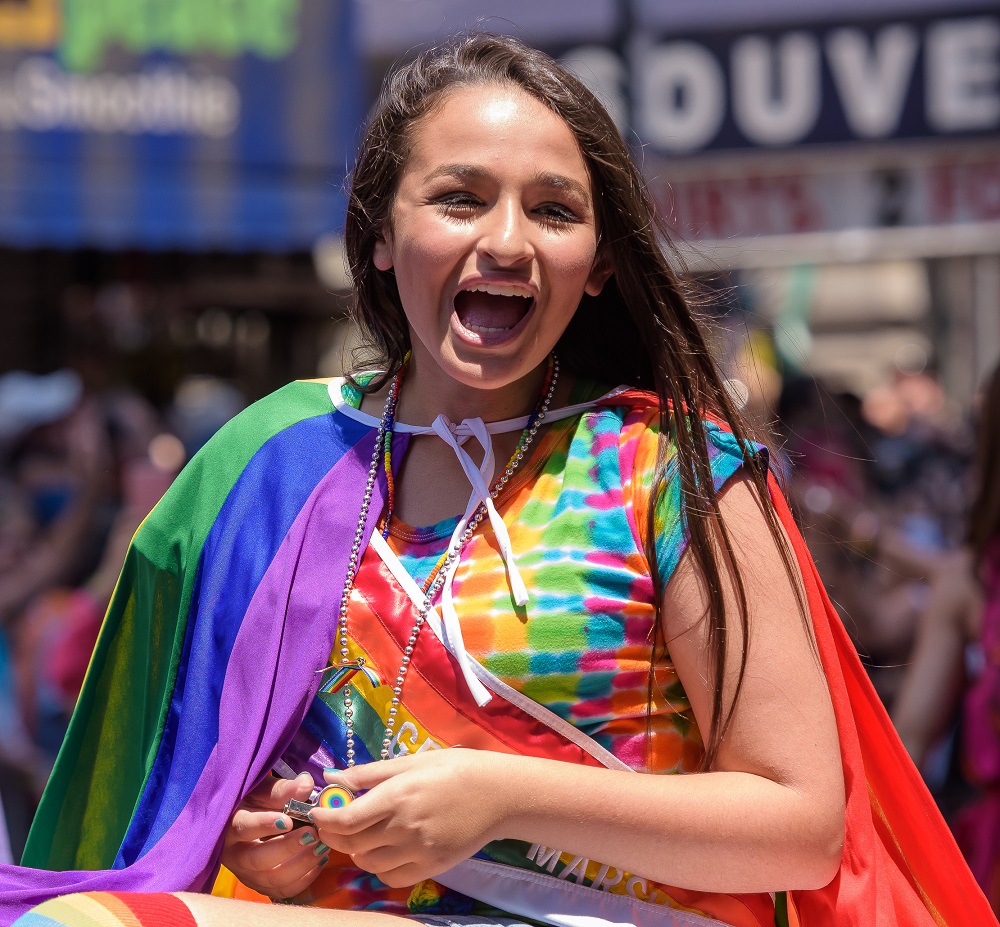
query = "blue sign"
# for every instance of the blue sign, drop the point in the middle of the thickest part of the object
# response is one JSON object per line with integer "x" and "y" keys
{"x": 191, "y": 124}
{"x": 781, "y": 87}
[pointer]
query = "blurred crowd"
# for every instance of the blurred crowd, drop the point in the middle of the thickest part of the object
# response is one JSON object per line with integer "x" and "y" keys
{"x": 81, "y": 464}
{"x": 882, "y": 485}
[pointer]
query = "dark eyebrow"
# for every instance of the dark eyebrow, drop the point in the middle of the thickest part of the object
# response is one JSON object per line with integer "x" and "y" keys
{"x": 543, "y": 179}
{"x": 568, "y": 184}
{"x": 459, "y": 172}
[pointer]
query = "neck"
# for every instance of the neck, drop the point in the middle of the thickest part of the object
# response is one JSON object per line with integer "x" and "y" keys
{"x": 428, "y": 392}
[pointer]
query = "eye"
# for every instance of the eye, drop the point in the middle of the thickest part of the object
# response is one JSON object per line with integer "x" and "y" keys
{"x": 556, "y": 214}
{"x": 459, "y": 202}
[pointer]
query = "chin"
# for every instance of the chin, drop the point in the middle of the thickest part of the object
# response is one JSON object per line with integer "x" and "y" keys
{"x": 489, "y": 371}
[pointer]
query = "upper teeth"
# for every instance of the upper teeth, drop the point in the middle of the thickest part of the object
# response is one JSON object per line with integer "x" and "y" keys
{"x": 496, "y": 289}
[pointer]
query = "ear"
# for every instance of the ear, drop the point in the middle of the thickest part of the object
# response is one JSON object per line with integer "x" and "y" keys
{"x": 382, "y": 255}
{"x": 598, "y": 277}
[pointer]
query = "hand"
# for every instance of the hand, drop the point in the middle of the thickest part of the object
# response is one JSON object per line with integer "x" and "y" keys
{"x": 419, "y": 815}
{"x": 261, "y": 848}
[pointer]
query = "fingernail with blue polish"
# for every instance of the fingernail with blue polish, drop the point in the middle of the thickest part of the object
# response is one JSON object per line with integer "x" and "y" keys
{"x": 321, "y": 848}
{"x": 324, "y": 861}
{"x": 280, "y": 824}
{"x": 306, "y": 839}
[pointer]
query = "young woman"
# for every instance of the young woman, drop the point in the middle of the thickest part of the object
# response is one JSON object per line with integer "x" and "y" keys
{"x": 534, "y": 554}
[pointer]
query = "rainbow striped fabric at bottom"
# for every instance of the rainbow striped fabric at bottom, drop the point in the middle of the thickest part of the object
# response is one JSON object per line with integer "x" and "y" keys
{"x": 110, "y": 909}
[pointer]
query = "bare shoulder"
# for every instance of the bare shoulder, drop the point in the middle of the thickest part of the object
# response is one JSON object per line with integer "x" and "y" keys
{"x": 753, "y": 554}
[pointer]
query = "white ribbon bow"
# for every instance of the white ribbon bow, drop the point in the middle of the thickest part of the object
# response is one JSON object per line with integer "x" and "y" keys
{"x": 480, "y": 477}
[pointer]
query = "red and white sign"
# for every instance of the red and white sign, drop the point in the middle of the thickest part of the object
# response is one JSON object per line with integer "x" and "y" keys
{"x": 903, "y": 187}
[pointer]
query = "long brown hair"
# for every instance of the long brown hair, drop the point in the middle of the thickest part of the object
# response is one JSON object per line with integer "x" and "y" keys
{"x": 641, "y": 330}
{"x": 984, "y": 516}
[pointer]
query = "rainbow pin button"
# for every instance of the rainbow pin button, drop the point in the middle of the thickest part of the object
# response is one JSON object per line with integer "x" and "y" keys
{"x": 334, "y": 796}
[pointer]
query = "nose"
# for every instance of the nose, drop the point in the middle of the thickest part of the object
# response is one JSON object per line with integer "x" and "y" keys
{"x": 506, "y": 236}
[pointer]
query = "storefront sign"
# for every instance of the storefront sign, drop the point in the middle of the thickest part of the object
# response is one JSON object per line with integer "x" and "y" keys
{"x": 175, "y": 123}
{"x": 904, "y": 186}
{"x": 921, "y": 77}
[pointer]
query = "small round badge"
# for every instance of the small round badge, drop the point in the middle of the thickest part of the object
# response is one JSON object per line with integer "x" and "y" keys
{"x": 334, "y": 796}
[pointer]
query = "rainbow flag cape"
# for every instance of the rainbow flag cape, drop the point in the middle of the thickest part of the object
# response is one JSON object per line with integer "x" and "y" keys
{"x": 205, "y": 668}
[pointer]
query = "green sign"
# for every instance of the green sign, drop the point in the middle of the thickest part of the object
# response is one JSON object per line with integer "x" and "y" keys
{"x": 184, "y": 27}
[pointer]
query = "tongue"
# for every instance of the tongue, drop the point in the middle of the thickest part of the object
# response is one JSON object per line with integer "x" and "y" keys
{"x": 482, "y": 310}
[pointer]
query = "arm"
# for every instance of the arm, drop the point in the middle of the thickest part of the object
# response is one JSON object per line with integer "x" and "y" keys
{"x": 933, "y": 680}
{"x": 55, "y": 553}
{"x": 897, "y": 553}
{"x": 768, "y": 817}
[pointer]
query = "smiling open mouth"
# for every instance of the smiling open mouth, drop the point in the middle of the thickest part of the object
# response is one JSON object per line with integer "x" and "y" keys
{"x": 490, "y": 309}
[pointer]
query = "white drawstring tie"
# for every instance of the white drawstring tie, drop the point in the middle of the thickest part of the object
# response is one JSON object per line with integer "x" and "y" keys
{"x": 480, "y": 477}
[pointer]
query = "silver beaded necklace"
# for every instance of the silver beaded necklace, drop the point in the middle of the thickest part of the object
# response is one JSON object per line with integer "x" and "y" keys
{"x": 452, "y": 554}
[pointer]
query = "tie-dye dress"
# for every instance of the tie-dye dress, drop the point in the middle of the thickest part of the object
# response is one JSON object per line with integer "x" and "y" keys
{"x": 576, "y": 512}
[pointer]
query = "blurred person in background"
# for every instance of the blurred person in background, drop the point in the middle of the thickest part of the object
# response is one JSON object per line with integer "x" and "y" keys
{"x": 55, "y": 456}
{"x": 826, "y": 462}
{"x": 878, "y": 484}
{"x": 958, "y": 650}
{"x": 55, "y": 634}
{"x": 829, "y": 468}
